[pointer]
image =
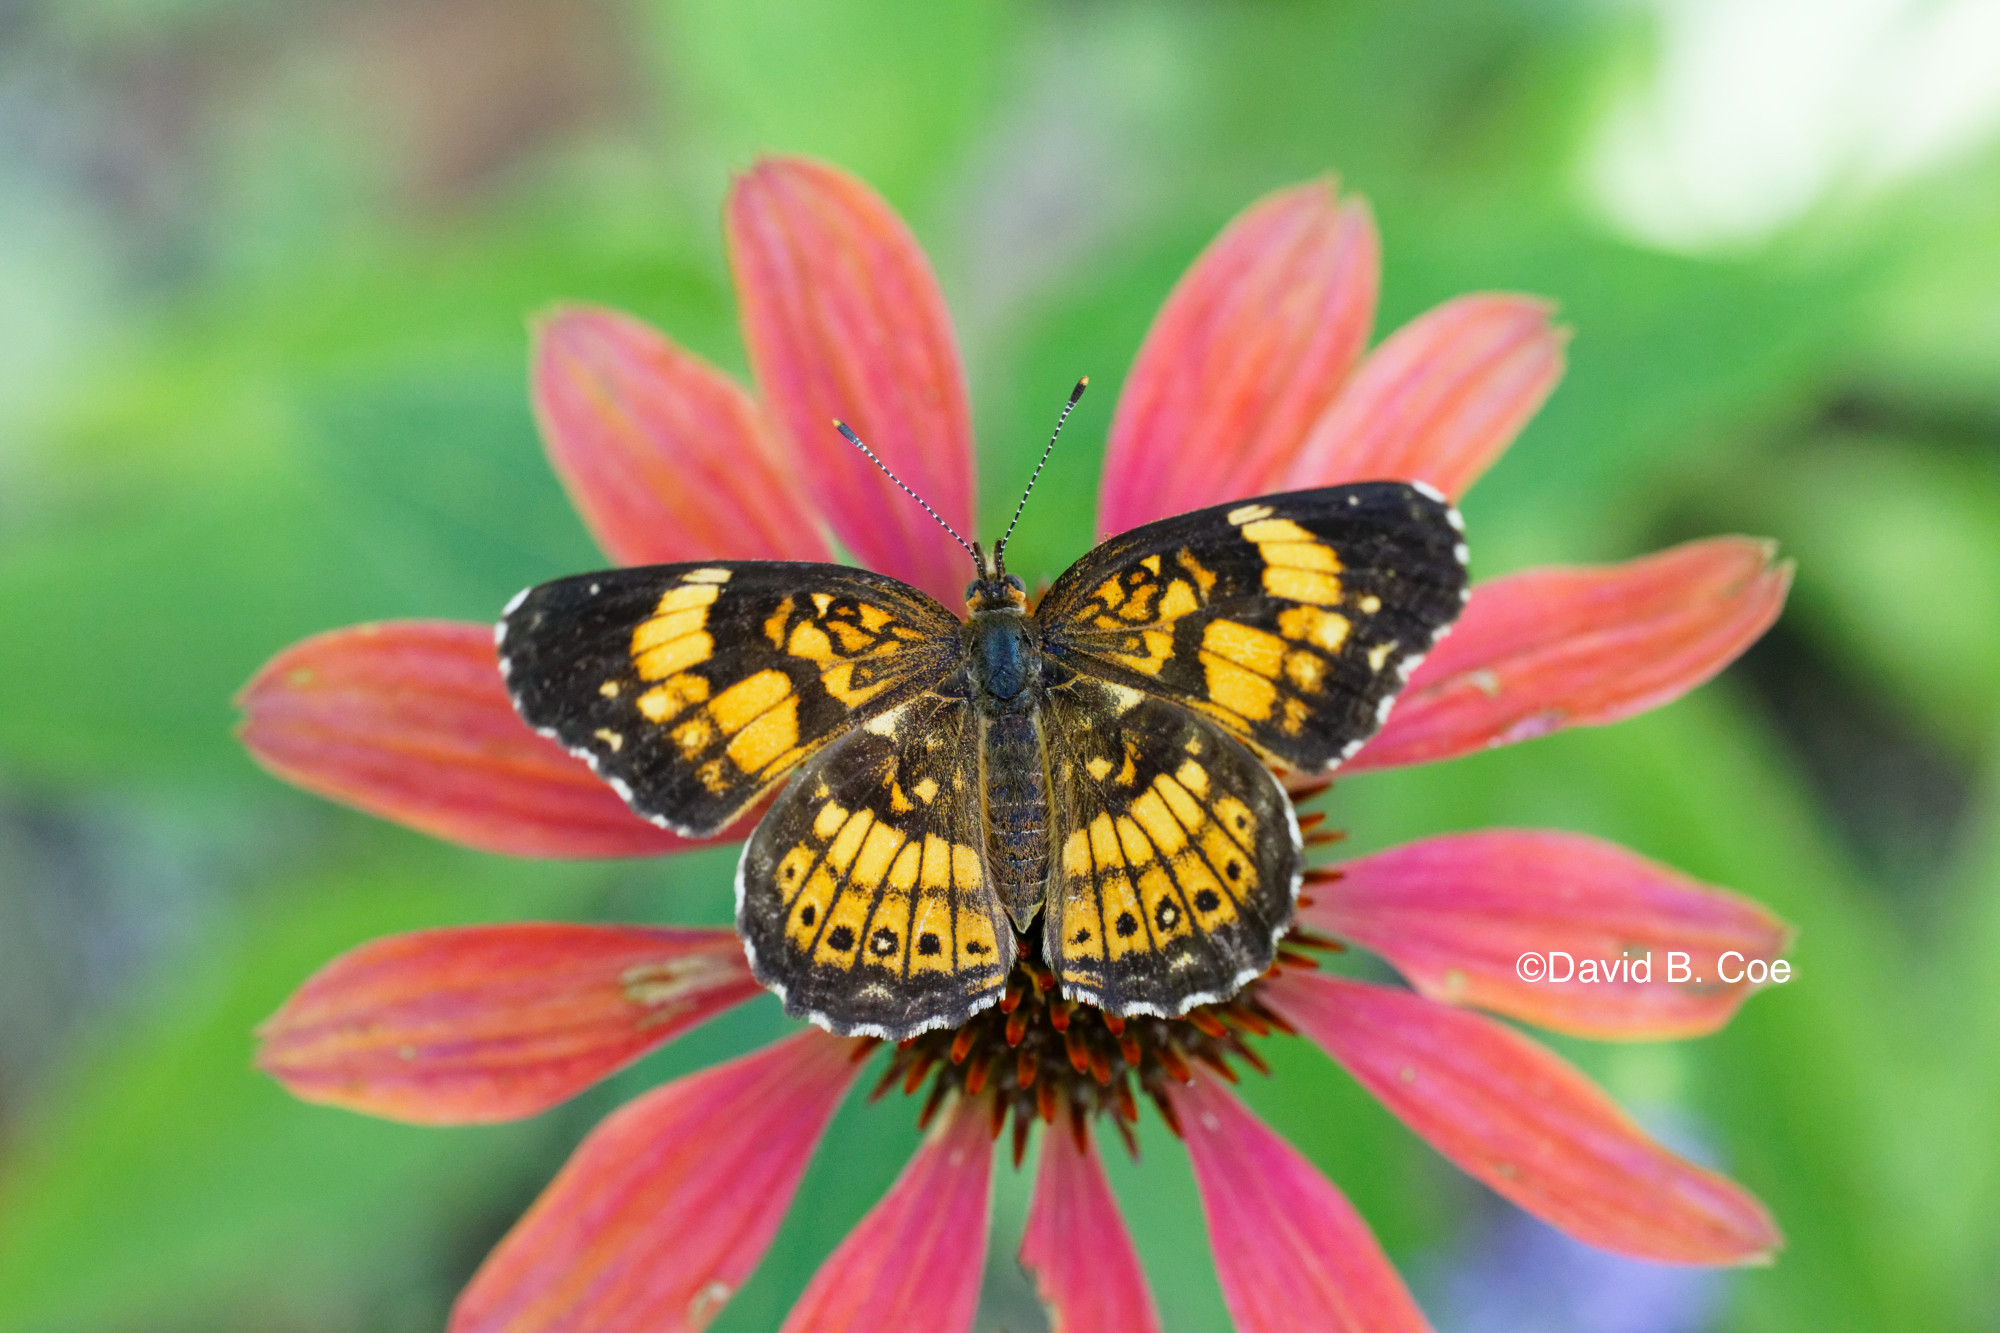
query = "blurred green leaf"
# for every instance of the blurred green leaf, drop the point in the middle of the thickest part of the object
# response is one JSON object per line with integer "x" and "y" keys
{"x": 887, "y": 93}
{"x": 323, "y": 458}
{"x": 1899, "y": 566}
{"x": 167, "y": 1184}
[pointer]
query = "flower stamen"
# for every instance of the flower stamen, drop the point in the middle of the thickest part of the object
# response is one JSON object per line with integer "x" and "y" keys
{"x": 1037, "y": 1053}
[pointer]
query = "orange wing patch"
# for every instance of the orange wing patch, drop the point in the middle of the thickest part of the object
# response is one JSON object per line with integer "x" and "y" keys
{"x": 1177, "y": 856}
{"x": 1292, "y": 620}
{"x": 1139, "y": 880}
{"x": 854, "y": 644}
{"x": 1140, "y": 605}
{"x": 743, "y": 735}
{"x": 1298, "y": 566}
{"x": 694, "y": 688}
{"x": 865, "y": 895}
{"x": 886, "y": 898}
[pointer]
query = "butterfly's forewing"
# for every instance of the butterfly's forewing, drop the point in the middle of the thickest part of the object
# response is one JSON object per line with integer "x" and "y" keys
{"x": 1176, "y": 858}
{"x": 864, "y": 895}
{"x": 1291, "y": 620}
{"x": 694, "y": 688}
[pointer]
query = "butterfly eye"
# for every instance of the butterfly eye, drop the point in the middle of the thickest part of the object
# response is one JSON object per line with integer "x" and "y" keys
{"x": 1014, "y": 581}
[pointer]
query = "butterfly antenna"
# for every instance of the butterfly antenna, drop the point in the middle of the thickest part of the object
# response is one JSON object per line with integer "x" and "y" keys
{"x": 855, "y": 440}
{"x": 1000, "y": 549}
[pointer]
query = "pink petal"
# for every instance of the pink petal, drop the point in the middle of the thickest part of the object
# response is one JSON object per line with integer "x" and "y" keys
{"x": 1582, "y": 646}
{"x": 844, "y": 318}
{"x": 409, "y": 720}
{"x": 1248, "y": 351}
{"x": 1076, "y": 1248}
{"x": 1525, "y": 1122}
{"x": 915, "y": 1261}
{"x": 1440, "y": 398}
{"x": 1456, "y": 914}
{"x": 659, "y": 1216}
{"x": 665, "y": 457}
{"x": 495, "y": 1022}
{"x": 1293, "y": 1255}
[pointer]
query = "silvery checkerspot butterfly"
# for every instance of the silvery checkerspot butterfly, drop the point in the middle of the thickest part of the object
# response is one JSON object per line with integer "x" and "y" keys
{"x": 1097, "y": 767}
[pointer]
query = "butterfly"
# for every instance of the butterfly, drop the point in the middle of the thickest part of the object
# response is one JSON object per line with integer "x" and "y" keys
{"x": 1089, "y": 779}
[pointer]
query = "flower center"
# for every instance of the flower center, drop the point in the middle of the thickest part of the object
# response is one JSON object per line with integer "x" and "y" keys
{"x": 1037, "y": 1056}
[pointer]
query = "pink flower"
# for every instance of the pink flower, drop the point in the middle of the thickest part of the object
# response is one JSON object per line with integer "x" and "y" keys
{"x": 1255, "y": 378}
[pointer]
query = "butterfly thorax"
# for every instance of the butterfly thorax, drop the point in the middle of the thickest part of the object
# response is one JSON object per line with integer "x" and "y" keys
{"x": 1004, "y": 654}
{"x": 1005, "y": 665}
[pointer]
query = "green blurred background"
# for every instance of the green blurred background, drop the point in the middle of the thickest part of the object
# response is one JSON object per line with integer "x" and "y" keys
{"x": 264, "y": 275}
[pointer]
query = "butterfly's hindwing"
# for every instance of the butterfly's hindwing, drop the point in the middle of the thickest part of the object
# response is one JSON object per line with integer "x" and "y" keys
{"x": 694, "y": 688}
{"x": 864, "y": 895}
{"x": 1176, "y": 859}
{"x": 1291, "y": 620}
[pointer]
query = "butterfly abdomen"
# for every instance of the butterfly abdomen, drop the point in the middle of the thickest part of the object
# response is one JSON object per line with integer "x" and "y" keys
{"x": 1005, "y": 657}
{"x": 1017, "y": 812}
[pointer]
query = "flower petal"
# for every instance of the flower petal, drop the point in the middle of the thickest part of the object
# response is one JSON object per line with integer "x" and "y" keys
{"x": 495, "y": 1022}
{"x": 409, "y": 720}
{"x": 664, "y": 1210}
{"x": 1514, "y": 1115}
{"x": 1248, "y": 351}
{"x": 1582, "y": 646}
{"x": 664, "y": 455}
{"x": 915, "y": 1261}
{"x": 1076, "y": 1248}
{"x": 1440, "y": 399}
{"x": 1293, "y": 1255}
{"x": 1456, "y": 914}
{"x": 844, "y": 318}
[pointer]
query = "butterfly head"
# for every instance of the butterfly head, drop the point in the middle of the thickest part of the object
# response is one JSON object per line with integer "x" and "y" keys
{"x": 993, "y": 589}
